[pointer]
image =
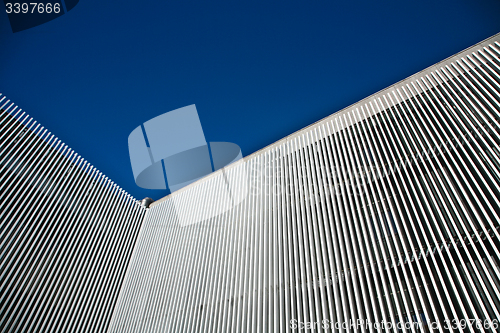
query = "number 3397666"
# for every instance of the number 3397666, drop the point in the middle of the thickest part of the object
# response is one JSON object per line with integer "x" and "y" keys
{"x": 32, "y": 7}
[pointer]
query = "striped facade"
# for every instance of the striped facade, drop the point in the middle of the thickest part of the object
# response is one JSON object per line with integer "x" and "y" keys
{"x": 387, "y": 211}
{"x": 66, "y": 233}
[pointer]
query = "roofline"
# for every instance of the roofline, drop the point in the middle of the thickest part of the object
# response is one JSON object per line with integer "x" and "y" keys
{"x": 366, "y": 100}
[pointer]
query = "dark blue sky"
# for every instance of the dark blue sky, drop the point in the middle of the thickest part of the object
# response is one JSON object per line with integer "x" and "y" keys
{"x": 256, "y": 70}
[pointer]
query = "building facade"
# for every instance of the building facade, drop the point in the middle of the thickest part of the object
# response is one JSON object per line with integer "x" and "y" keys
{"x": 66, "y": 233}
{"x": 385, "y": 212}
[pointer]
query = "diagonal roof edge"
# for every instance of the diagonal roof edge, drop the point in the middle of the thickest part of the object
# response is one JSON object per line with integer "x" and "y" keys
{"x": 366, "y": 100}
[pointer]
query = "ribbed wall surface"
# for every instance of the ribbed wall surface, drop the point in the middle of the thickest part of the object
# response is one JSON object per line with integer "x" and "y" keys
{"x": 386, "y": 211}
{"x": 66, "y": 233}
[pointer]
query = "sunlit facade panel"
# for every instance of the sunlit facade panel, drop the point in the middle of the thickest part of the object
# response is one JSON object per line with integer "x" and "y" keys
{"x": 387, "y": 211}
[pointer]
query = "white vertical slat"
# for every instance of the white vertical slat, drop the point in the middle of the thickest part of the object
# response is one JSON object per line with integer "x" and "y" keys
{"x": 304, "y": 270}
{"x": 317, "y": 245}
{"x": 324, "y": 189}
{"x": 284, "y": 247}
{"x": 238, "y": 177}
{"x": 252, "y": 221}
{"x": 319, "y": 214}
{"x": 229, "y": 253}
{"x": 298, "y": 286}
{"x": 304, "y": 198}
{"x": 194, "y": 307}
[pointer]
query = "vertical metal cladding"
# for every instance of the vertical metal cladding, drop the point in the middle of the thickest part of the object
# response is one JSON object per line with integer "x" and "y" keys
{"x": 66, "y": 233}
{"x": 385, "y": 212}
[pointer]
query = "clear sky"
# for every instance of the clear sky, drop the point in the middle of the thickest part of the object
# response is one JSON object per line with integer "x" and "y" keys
{"x": 256, "y": 70}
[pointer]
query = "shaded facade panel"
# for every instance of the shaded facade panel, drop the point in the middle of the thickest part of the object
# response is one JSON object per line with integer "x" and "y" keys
{"x": 387, "y": 211}
{"x": 66, "y": 233}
